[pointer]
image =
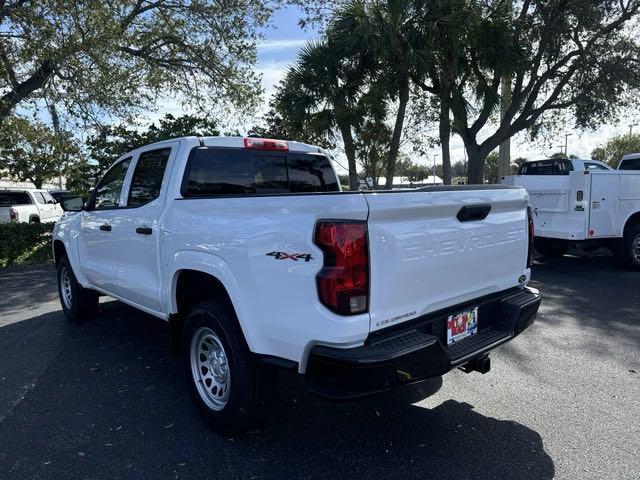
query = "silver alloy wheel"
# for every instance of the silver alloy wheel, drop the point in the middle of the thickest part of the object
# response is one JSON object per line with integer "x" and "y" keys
{"x": 210, "y": 368}
{"x": 635, "y": 249}
{"x": 65, "y": 287}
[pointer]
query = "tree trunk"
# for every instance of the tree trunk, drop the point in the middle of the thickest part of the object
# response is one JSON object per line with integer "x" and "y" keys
{"x": 394, "y": 145}
{"x": 475, "y": 168}
{"x": 350, "y": 152}
{"x": 37, "y": 183}
{"x": 445, "y": 138}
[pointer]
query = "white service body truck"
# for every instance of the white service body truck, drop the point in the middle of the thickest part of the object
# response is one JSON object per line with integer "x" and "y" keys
{"x": 28, "y": 206}
{"x": 257, "y": 260}
{"x": 577, "y": 203}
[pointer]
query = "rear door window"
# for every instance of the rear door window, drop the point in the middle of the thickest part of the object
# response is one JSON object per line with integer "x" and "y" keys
{"x": 231, "y": 171}
{"x": 39, "y": 198}
{"x": 147, "y": 177}
{"x": 9, "y": 199}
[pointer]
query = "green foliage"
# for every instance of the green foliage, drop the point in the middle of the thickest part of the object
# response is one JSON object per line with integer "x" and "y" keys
{"x": 106, "y": 56}
{"x": 25, "y": 243}
{"x": 491, "y": 167}
{"x": 612, "y": 151}
{"x": 319, "y": 96}
{"x": 567, "y": 56}
{"x": 113, "y": 141}
{"x": 32, "y": 152}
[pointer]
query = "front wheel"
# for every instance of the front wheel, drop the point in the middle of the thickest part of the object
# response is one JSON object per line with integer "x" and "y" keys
{"x": 628, "y": 251}
{"x": 77, "y": 303}
{"x": 229, "y": 387}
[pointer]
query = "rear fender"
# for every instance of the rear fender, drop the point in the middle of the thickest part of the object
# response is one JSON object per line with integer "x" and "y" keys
{"x": 216, "y": 267}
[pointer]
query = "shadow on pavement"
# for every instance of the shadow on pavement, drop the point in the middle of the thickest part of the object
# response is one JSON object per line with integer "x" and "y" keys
{"x": 25, "y": 288}
{"x": 112, "y": 404}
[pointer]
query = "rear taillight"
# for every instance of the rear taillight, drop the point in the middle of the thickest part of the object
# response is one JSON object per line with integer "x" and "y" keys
{"x": 343, "y": 282}
{"x": 13, "y": 215}
{"x": 266, "y": 144}
{"x": 531, "y": 235}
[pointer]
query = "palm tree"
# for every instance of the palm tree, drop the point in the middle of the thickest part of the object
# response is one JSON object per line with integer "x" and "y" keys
{"x": 320, "y": 94}
{"x": 391, "y": 32}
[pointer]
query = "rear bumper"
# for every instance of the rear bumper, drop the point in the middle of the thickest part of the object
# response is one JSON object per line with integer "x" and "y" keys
{"x": 417, "y": 351}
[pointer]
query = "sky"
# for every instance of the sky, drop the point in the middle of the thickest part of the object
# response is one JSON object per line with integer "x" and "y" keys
{"x": 279, "y": 49}
{"x": 285, "y": 37}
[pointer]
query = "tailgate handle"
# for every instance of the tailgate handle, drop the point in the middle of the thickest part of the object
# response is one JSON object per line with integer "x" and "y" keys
{"x": 470, "y": 213}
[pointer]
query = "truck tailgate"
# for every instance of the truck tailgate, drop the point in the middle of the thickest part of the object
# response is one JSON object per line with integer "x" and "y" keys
{"x": 424, "y": 258}
{"x": 4, "y": 214}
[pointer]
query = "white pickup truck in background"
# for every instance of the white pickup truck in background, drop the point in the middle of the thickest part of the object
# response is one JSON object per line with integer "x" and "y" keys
{"x": 29, "y": 206}
{"x": 257, "y": 260}
{"x": 583, "y": 202}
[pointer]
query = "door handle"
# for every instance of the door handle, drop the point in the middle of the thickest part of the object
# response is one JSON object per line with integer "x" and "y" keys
{"x": 105, "y": 228}
{"x": 470, "y": 213}
{"x": 144, "y": 230}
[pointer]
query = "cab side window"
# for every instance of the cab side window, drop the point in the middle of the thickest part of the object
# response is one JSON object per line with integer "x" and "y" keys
{"x": 107, "y": 193}
{"x": 147, "y": 177}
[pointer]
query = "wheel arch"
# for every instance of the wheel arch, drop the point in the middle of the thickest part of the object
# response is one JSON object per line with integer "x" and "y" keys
{"x": 633, "y": 219}
{"x": 58, "y": 250}
{"x": 197, "y": 278}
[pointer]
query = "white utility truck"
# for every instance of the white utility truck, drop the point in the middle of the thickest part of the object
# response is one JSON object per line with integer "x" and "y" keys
{"x": 583, "y": 202}
{"x": 257, "y": 260}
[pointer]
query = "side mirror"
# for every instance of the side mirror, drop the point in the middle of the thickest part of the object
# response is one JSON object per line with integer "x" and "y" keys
{"x": 72, "y": 204}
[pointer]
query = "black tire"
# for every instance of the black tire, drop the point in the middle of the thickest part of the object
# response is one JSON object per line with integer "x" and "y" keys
{"x": 77, "y": 303}
{"x": 231, "y": 389}
{"x": 551, "y": 247}
{"x": 628, "y": 249}
{"x": 34, "y": 220}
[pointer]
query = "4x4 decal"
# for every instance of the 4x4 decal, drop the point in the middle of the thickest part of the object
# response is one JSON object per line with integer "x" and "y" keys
{"x": 291, "y": 256}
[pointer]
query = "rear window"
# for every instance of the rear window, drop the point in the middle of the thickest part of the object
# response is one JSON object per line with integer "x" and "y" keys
{"x": 227, "y": 171}
{"x": 546, "y": 167}
{"x": 8, "y": 199}
{"x": 630, "y": 164}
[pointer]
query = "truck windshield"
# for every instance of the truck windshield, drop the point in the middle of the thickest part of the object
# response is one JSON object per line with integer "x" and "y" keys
{"x": 8, "y": 199}
{"x": 232, "y": 171}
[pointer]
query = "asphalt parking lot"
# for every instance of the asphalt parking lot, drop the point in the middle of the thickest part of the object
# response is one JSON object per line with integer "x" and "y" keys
{"x": 106, "y": 399}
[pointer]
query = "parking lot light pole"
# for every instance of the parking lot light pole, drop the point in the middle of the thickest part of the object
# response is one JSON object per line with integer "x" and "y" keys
{"x": 435, "y": 155}
{"x": 566, "y": 141}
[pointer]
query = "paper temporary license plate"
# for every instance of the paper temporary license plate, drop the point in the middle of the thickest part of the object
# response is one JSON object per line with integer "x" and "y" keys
{"x": 462, "y": 325}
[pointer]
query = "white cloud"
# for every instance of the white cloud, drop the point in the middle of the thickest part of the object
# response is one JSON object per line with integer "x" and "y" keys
{"x": 282, "y": 44}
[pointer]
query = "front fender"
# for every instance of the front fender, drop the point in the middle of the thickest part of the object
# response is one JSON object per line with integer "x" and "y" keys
{"x": 67, "y": 230}
{"x": 215, "y": 266}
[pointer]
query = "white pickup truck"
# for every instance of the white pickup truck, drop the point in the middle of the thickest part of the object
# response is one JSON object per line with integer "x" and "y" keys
{"x": 583, "y": 202}
{"x": 256, "y": 259}
{"x": 29, "y": 206}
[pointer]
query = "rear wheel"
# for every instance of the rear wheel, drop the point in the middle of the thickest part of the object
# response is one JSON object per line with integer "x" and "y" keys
{"x": 628, "y": 251}
{"x": 229, "y": 387}
{"x": 77, "y": 303}
{"x": 551, "y": 247}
